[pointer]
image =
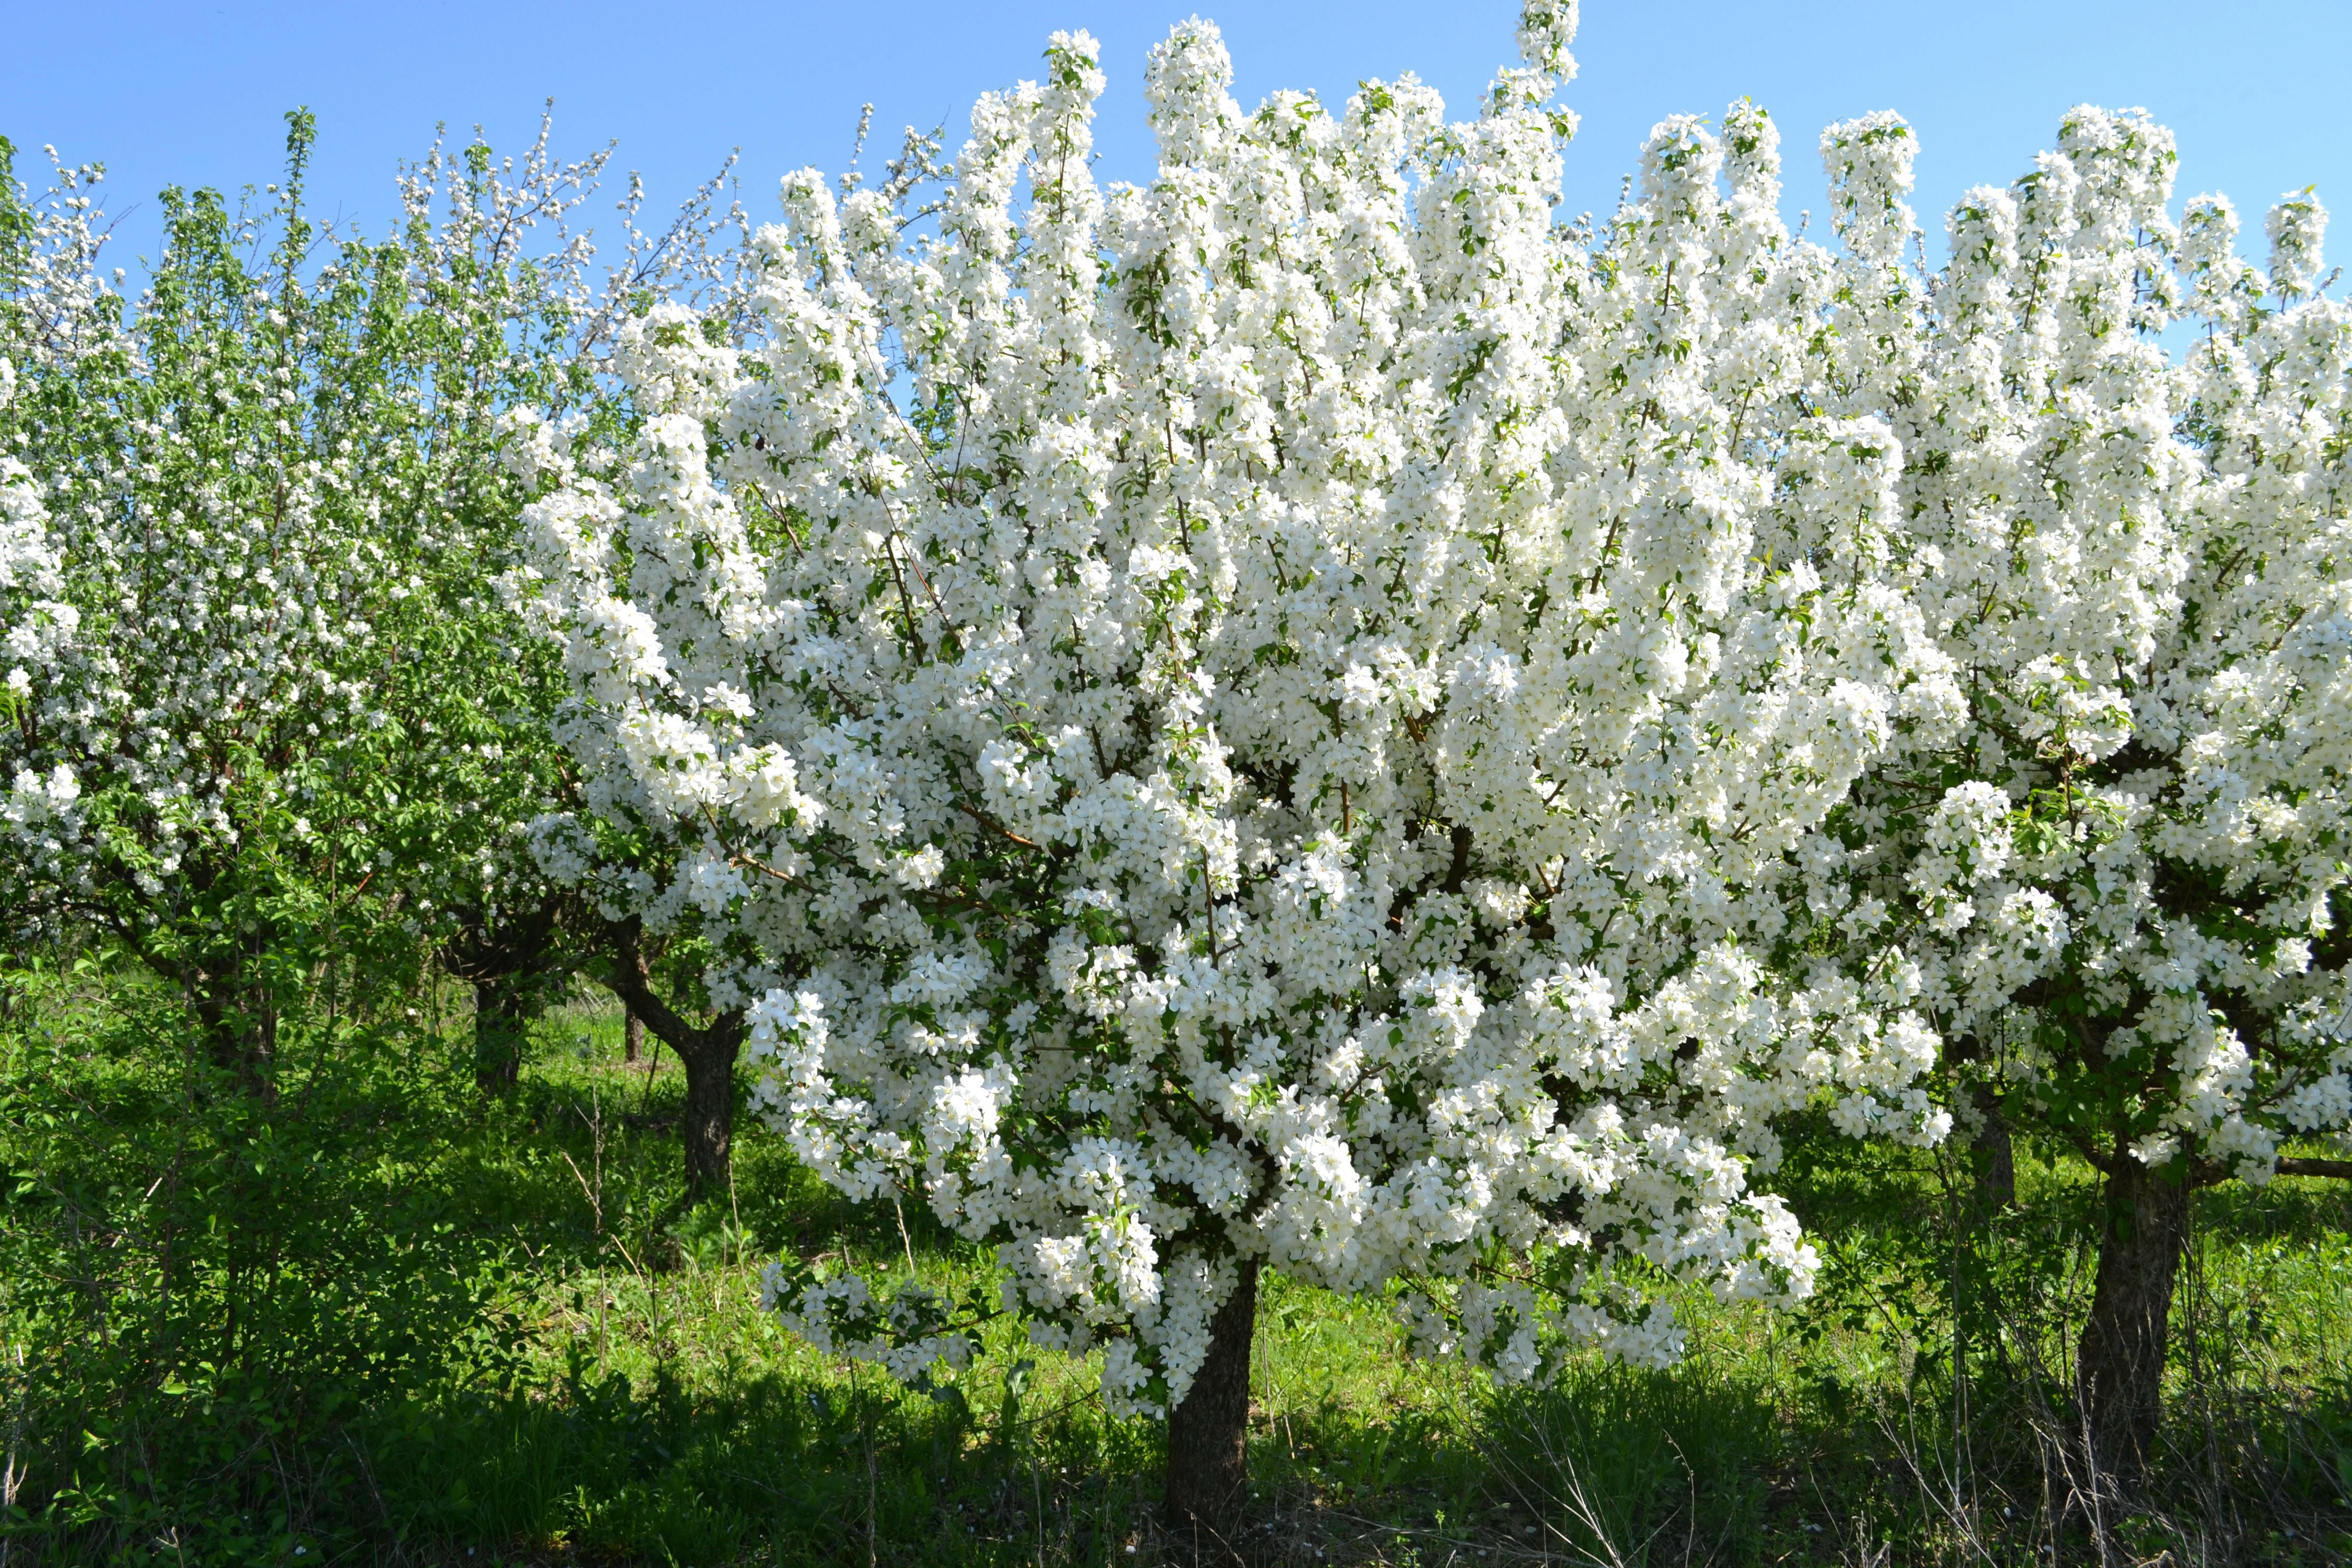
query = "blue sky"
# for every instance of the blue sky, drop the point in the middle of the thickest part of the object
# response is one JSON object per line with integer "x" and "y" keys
{"x": 194, "y": 93}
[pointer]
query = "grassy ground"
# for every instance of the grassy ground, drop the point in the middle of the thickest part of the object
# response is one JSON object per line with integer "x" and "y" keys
{"x": 384, "y": 1320}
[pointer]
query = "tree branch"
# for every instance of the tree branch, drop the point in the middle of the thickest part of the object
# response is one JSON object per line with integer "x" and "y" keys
{"x": 633, "y": 982}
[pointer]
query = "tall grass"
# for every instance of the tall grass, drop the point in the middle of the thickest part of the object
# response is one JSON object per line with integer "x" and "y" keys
{"x": 383, "y": 1320}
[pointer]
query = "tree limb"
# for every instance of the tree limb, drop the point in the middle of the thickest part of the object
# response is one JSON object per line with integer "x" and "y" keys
{"x": 2340, "y": 1169}
{"x": 634, "y": 981}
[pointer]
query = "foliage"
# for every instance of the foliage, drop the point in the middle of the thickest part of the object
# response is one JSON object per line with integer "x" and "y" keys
{"x": 1304, "y": 716}
{"x": 274, "y": 729}
{"x": 499, "y": 1333}
{"x": 1271, "y": 716}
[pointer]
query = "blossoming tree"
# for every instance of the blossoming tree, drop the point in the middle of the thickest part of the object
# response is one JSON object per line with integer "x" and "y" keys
{"x": 267, "y": 716}
{"x": 1283, "y": 716}
{"x": 2123, "y": 879}
{"x": 1301, "y": 714}
{"x": 191, "y": 511}
{"x": 501, "y": 322}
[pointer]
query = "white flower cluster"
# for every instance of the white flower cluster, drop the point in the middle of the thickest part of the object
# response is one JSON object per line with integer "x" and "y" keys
{"x": 246, "y": 522}
{"x": 186, "y": 572}
{"x": 1293, "y": 712}
{"x": 39, "y": 629}
{"x": 908, "y": 1334}
{"x": 41, "y": 624}
{"x": 2123, "y": 881}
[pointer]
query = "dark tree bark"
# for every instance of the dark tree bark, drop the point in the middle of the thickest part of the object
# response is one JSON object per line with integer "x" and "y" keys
{"x": 632, "y": 1038}
{"x": 2120, "y": 1366}
{"x": 515, "y": 960}
{"x": 709, "y": 1126}
{"x": 708, "y": 1053}
{"x": 502, "y": 1026}
{"x": 1995, "y": 1159}
{"x": 1208, "y": 1436}
{"x": 238, "y": 1040}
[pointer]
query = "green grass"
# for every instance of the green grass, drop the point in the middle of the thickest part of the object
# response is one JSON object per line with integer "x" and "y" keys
{"x": 383, "y": 1320}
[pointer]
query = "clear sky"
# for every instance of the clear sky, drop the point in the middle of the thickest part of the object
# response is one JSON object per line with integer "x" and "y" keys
{"x": 193, "y": 92}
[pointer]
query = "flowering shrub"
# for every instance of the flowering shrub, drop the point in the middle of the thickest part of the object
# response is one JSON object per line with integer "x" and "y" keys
{"x": 268, "y": 712}
{"x": 1301, "y": 713}
{"x": 197, "y": 575}
{"x": 1285, "y": 714}
{"x": 2123, "y": 879}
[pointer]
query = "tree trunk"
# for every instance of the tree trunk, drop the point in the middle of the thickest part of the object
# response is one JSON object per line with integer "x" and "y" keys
{"x": 2120, "y": 1367}
{"x": 236, "y": 1042}
{"x": 499, "y": 1024}
{"x": 1996, "y": 1161}
{"x": 709, "y": 1056}
{"x": 632, "y": 1038}
{"x": 515, "y": 962}
{"x": 708, "y": 1126}
{"x": 1208, "y": 1436}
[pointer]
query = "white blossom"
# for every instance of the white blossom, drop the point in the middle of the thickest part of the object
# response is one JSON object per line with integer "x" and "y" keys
{"x": 1285, "y": 707}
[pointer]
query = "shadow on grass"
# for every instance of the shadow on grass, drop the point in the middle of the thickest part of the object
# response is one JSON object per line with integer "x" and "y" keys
{"x": 383, "y": 1320}
{"x": 1613, "y": 1464}
{"x": 780, "y": 1468}
{"x": 380, "y": 1317}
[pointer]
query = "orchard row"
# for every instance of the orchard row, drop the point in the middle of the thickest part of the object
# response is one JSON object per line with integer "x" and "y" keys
{"x": 1305, "y": 714}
